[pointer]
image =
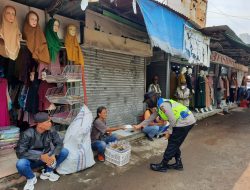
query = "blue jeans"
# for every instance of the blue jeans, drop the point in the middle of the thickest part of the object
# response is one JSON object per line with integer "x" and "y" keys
{"x": 152, "y": 131}
{"x": 100, "y": 145}
{"x": 25, "y": 166}
{"x": 240, "y": 93}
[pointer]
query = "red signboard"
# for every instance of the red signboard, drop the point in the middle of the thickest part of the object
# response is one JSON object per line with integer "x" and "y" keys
{"x": 227, "y": 61}
{"x": 222, "y": 59}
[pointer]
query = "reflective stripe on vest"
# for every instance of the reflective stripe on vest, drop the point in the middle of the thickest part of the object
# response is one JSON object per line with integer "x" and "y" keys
{"x": 179, "y": 110}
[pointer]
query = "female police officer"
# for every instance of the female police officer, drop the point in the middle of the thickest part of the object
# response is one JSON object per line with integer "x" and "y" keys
{"x": 181, "y": 120}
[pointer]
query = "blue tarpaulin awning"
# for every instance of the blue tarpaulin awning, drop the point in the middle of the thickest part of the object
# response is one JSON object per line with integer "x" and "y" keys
{"x": 165, "y": 28}
{"x": 173, "y": 34}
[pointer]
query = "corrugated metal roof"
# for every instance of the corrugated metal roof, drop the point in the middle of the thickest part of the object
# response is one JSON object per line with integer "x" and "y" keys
{"x": 70, "y": 8}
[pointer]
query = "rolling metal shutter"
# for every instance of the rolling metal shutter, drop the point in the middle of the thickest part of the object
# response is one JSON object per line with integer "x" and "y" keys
{"x": 115, "y": 81}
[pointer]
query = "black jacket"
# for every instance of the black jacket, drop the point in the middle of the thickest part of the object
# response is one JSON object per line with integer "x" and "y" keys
{"x": 32, "y": 144}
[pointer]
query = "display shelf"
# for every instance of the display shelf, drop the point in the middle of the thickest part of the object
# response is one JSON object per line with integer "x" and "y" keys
{"x": 64, "y": 114}
{"x": 58, "y": 95}
{"x": 71, "y": 73}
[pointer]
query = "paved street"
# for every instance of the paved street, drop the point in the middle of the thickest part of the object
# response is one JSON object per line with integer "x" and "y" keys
{"x": 216, "y": 156}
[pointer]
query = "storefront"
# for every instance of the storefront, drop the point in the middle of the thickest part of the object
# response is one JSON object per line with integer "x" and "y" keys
{"x": 114, "y": 71}
{"x": 229, "y": 76}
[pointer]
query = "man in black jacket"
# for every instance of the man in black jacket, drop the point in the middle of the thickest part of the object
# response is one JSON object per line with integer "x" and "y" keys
{"x": 38, "y": 147}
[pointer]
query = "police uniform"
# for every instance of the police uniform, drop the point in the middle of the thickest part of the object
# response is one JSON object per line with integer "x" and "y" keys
{"x": 181, "y": 120}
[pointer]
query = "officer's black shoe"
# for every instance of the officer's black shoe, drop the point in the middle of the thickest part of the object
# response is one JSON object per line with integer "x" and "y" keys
{"x": 177, "y": 165}
{"x": 161, "y": 167}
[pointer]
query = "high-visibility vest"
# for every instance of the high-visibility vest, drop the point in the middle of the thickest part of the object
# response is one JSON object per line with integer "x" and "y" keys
{"x": 179, "y": 110}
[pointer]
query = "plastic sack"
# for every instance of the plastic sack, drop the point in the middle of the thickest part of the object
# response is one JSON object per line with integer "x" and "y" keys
{"x": 77, "y": 141}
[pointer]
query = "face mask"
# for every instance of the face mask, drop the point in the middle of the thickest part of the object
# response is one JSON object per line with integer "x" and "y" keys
{"x": 183, "y": 87}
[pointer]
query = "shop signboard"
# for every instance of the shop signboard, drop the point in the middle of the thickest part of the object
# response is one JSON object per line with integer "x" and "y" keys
{"x": 227, "y": 61}
{"x": 222, "y": 59}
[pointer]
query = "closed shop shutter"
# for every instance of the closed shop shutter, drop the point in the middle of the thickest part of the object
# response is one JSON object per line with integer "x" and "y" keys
{"x": 115, "y": 81}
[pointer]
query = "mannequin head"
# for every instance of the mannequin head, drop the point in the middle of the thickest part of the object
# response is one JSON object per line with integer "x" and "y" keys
{"x": 183, "y": 70}
{"x": 33, "y": 19}
{"x": 9, "y": 14}
{"x": 201, "y": 73}
{"x": 71, "y": 30}
{"x": 56, "y": 26}
{"x": 32, "y": 76}
{"x": 45, "y": 72}
{"x": 205, "y": 73}
{"x": 190, "y": 71}
{"x": 43, "y": 77}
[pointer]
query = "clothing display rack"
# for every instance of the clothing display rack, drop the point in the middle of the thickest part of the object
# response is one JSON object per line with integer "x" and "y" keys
{"x": 64, "y": 114}
{"x": 71, "y": 73}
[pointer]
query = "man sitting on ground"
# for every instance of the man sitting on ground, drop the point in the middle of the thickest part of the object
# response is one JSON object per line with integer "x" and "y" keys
{"x": 39, "y": 147}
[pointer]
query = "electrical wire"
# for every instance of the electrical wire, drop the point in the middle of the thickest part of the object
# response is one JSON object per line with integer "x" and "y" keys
{"x": 225, "y": 14}
{"x": 247, "y": 18}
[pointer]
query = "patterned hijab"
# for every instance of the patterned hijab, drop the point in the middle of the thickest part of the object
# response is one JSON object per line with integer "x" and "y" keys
{"x": 10, "y": 36}
{"x": 53, "y": 40}
{"x": 74, "y": 52}
{"x": 36, "y": 40}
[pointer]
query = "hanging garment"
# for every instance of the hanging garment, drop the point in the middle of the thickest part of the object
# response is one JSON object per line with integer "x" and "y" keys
{"x": 190, "y": 86}
{"x": 4, "y": 114}
{"x": 233, "y": 89}
{"x": 77, "y": 140}
{"x": 55, "y": 67}
{"x": 24, "y": 64}
{"x": 225, "y": 88}
{"x": 183, "y": 96}
{"x": 43, "y": 101}
{"x": 53, "y": 40}
{"x": 211, "y": 86}
{"x": 10, "y": 37}
{"x": 74, "y": 52}
{"x": 173, "y": 84}
{"x": 36, "y": 40}
{"x": 208, "y": 92}
{"x": 41, "y": 67}
{"x": 181, "y": 79}
{"x": 29, "y": 118}
{"x": 189, "y": 82}
{"x": 32, "y": 100}
{"x": 200, "y": 93}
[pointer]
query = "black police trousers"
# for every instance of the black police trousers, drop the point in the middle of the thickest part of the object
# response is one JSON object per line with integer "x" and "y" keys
{"x": 174, "y": 142}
